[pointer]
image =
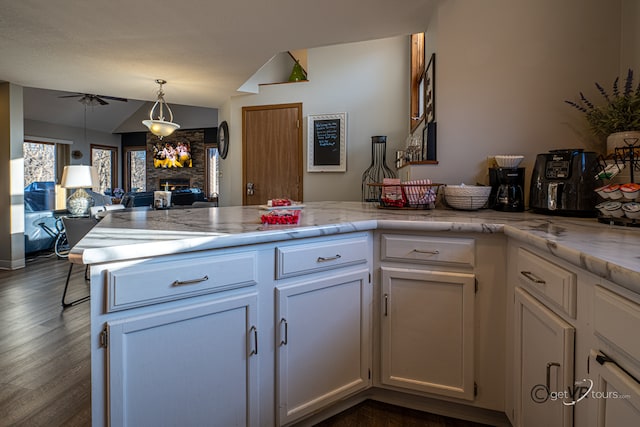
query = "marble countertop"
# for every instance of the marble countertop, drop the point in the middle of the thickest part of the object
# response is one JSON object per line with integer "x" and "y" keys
{"x": 612, "y": 252}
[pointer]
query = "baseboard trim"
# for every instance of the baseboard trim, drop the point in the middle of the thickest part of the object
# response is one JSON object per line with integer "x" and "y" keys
{"x": 12, "y": 265}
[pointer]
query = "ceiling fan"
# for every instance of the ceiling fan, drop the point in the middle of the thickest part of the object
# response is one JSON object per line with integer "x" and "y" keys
{"x": 88, "y": 99}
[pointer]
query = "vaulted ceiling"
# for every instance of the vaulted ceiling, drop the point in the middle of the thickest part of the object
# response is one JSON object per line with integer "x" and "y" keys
{"x": 205, "y": 49}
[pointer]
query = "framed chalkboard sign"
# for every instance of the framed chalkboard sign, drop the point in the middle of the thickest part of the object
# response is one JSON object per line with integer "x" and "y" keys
{"x": 327, "y": 142}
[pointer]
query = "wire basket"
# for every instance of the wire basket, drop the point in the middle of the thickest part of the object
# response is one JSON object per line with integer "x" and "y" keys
{"x": 407, "y": 195}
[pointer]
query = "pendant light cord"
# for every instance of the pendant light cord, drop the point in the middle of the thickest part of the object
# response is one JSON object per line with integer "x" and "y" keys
{"x": 85, "y": 124}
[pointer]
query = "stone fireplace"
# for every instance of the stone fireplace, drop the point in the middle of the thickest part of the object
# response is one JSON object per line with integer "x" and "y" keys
{"x": 177, "y": 177}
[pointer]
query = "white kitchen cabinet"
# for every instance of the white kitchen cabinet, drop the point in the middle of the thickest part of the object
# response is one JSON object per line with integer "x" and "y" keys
{"x": 440, "y": 316}
{"x": 614, "y": 360}
{"x": 427, "y": 336}
{"x": 175, "y": 340}
{"x": 560, "y": 311}
{"x": 189, "y": 365}
{"x": 323, "y": 348}
{"x": 554, "y": 284}
{"x": 615, "y": 393}
{"x": 543, "y": 363}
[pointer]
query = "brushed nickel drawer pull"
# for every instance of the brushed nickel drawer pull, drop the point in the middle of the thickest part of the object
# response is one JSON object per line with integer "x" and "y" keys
{"x": 549, "y": 366}
{"x": 386, "y": 304}
{"x": 255, "y": 340}
{"x": 326, "y": 259}
{"x": 529, "y": 275}
{"x": 189, "y": 282}
{"x": 286, "y": 331}
{"x": 434, "y": 252}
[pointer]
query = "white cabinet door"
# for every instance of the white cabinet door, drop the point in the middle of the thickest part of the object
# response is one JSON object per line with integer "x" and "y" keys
{"x": 427, "y": 331}
{"x": 323, "y": 342}
{"x": 615, "y": 394}
{"x": 194, "y": 365}
{"x": 543, "y": 356}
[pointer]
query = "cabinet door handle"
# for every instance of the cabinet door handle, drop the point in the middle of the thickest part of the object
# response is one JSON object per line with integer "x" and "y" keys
{"x": 326, "y": 259}
{"x": 549, "y": 366}
{"x": 189, "y": 282}
{"x": 420, "y": 251}
{"x": 255, "y": 340}
{"x": 286, "y": 331}
{"x": 386, "y": 304}
{"x": 529, "y": 275}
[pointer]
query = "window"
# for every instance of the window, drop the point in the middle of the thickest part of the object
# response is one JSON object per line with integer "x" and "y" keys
{"x": 135, "y": 169}
{"x": 39, "y": 176}
{"x": 417, "y": 80}
{"x": 212, "y": 170}
{"x": 105, "y": 160}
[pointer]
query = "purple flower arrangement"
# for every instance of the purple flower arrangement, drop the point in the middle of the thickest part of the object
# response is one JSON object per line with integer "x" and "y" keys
{"x": 619, "y": 113}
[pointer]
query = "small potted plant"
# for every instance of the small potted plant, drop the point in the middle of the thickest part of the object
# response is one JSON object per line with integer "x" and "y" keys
{"x": 618, "y": 119}
{"x": 117, "y": 195}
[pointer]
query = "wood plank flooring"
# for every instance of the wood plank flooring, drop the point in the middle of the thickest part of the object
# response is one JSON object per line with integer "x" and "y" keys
{"x": 377, "y": 414}
{"x": 45, "y": 373}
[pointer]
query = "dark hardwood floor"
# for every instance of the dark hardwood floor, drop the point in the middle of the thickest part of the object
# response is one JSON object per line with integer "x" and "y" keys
{"x": 45, "y": 374}
{"x": 377, "y": 414}
{"x": 45, "y": 377}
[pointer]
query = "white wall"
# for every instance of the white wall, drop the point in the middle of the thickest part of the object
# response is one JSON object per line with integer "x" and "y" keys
{"x": 276, "y": 70}
{"x": 366, "y": 80}
{"x": 504, "y": 69}
{"x": 630, "y": 55}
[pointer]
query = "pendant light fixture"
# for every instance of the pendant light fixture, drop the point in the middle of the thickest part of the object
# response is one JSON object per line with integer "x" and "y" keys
{"x": 158, "y": 126}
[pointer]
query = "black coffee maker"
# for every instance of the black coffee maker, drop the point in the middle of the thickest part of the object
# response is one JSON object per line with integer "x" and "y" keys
{"x": 507, "y": 192}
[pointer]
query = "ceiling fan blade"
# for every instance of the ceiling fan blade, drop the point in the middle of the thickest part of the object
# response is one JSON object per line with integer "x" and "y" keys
{"x": 90, "y": 99}
{"x": 113, "y": 98}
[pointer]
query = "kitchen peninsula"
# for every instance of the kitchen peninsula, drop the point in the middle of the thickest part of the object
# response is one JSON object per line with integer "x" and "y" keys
{"x": 205, "y": 311}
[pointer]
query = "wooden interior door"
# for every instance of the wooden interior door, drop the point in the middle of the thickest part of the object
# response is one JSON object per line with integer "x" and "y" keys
{"x": 271, "y": 153}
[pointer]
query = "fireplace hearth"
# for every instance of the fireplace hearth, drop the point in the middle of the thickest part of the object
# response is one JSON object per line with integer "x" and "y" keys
{"x": 172, "y": 184}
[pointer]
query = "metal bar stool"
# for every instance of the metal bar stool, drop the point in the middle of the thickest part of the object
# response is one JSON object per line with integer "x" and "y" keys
{"x": 76, "y": 229}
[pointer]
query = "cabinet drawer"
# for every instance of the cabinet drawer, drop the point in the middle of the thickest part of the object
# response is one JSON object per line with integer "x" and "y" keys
{"x": 295, "y": 260}
{"x": 437, "y": 250}
{"x": 140, "y": 285}
{"x": 554, "y": 283}
{"x": 617, "y": 320}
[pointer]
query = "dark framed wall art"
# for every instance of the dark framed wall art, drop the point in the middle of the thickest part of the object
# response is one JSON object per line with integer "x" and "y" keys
{"x": 327, "y": 142}
{"x": 430, "y": 90}
{"x": 429, "y": 131}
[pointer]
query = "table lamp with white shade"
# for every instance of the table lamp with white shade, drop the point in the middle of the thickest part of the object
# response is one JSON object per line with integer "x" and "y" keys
{"x": 79, "y": 177}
